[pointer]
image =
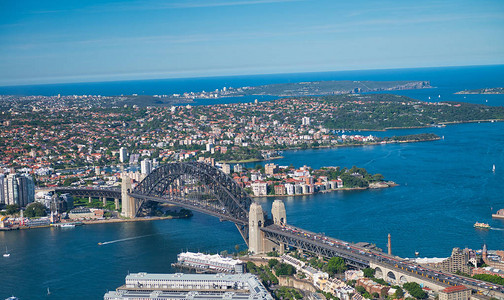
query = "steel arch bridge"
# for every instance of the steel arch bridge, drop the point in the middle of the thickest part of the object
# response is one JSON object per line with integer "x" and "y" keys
{"x": 200, "y": 187}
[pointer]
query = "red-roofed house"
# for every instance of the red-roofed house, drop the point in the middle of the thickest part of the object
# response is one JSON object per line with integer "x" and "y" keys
{"x": 458, "y": 292}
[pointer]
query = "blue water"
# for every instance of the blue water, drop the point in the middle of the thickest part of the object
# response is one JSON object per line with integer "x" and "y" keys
{"x": 444, "y": 187}
{"x": 446, "y": 80}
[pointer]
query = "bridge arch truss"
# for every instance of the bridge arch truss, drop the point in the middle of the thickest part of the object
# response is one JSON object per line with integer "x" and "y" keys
{"x": 200, "y": 187}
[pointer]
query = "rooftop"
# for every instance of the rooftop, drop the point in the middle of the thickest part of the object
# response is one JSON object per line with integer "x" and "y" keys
{"x": 453, "y": 289}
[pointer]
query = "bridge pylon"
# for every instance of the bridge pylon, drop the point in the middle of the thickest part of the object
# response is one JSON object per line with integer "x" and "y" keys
{"x": 279, "y": 216}
{"x": 258, "y": 243}
{"x": 278, "y": 212}
{"x": 129, "y": 204}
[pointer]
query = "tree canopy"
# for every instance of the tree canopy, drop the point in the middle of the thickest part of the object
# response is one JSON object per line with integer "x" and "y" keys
{"x": 35, "y": 209}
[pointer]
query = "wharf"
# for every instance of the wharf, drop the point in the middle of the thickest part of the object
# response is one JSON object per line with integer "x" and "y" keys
{"x": 195, "y": 269}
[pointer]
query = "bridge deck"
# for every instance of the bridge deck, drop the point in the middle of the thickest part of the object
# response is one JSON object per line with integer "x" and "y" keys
{"x": 179, "y": 201}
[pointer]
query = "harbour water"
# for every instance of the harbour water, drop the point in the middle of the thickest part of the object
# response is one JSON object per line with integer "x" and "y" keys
{"x": 444, "y": 187}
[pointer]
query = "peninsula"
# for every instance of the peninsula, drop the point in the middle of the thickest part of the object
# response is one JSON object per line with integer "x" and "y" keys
{"x": 485, "y": 91}
{"x": 92, "y": 133}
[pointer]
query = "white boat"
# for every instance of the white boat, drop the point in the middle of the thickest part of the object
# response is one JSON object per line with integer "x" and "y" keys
{"x": 493, "y": 168}
{"x": 6, "y": 254}
{"x": 67, "y": 225}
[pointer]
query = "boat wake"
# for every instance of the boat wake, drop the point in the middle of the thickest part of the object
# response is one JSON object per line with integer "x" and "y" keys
{"x": 124, "y": 240}
{"x": 500, "y": 229}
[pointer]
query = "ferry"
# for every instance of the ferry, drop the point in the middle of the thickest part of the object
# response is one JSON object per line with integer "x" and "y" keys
{"x": 67, "y": 225}
{"x": 481, "y": 225}
{"x": 499, "y": 214}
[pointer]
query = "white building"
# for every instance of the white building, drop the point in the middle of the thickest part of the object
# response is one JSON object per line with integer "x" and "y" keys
{"x": 259, "y": 188}
{"x": 210, "y": 262}
{"x": 146, "y": 167}
{"x": 289, "y": 188}
{"x": 237, "y": 168}
{"x": 305, "y": 121}
{"x": 2, "y": 180}
{"x": 190, "y": 286}
{"x": 123, "y": 154}
{"x": 226, "y": 168}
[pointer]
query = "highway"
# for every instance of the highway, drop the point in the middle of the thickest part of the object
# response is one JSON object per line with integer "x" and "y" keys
{"x": 362, "y": 255}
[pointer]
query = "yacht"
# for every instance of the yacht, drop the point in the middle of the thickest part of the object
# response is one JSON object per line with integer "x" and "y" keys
{"x": 6, "y": 254}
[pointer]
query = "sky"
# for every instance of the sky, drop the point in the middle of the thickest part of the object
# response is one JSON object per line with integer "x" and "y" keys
{"x": 56, "y": 41}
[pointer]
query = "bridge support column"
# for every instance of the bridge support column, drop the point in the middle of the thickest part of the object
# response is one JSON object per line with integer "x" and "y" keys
{"x": 279, "y": 216}
{"x": 90, "y": 200}
{"x": 258, "y": 243}
{"x": 256, "y": 221}
{"x": 104, "y": 201}
{"x": 116, "y": 202}
{"x": 128, "y": 203}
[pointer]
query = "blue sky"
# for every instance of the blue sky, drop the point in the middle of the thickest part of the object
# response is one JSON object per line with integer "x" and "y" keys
{"x": 75, "y": 40}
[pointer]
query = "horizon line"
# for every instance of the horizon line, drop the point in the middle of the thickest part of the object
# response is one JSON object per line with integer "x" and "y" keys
{"x": 237, "y": 75}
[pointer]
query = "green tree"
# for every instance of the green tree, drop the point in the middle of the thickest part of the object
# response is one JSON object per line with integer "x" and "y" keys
{"x": 415, "y": 290}
{"x": 272, "y": 263}
{"x": 285, "y": 269}
{"x": 336, "y": 265}
{"x": 368, "y": 272}
{"x": 399, "y": 293}
{"x": 35, "y": 209}
{"x": 12, "y": 209}
{"x": 360, "y": 289}
{"x": 378, "y": 177}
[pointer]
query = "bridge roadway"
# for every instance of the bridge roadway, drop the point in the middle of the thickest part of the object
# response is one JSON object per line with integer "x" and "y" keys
{"x": 192, "y": 205}
{"x": 300, "y": 239}
{"x": 363, "y": 258}
{"x": 91, "y": 192}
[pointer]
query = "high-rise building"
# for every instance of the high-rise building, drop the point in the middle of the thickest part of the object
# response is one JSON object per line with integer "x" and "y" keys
{"x": 26, "y": 189}
{"x": 18, "y": 189}
{"x": 2, "y": 197}
{"x": 123, "y": 154}
{"x": 146, "y": 167}
{"x": 11, "y": 190}
{"x": 237, "y": 168}
{"x": 226, "y": 168}
{"x": 270, "y": 169}
{"x": 305, "y": 121}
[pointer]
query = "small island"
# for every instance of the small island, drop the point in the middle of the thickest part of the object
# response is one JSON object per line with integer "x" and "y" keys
{"x": 485, "y": 91}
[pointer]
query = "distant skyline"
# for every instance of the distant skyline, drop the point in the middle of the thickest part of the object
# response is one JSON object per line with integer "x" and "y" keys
{"x": 79, "y": 41}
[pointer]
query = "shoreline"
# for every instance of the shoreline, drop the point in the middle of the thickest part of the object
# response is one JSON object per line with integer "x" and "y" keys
{"x": 92, "y": 222}
{"x": 388, "y": 183}
{"x": 244, "y": 161}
